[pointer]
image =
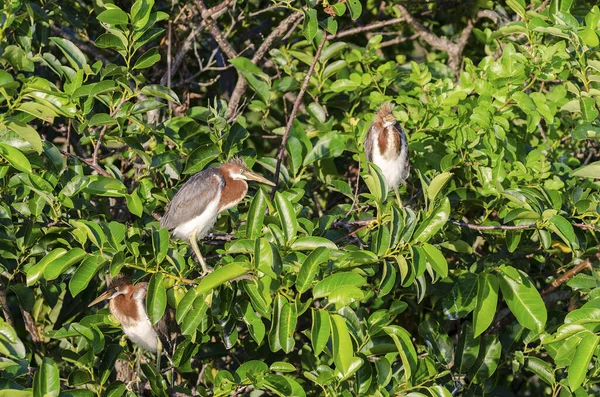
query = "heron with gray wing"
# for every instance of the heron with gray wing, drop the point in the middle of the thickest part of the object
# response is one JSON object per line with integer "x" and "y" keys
{"x": 386, "y": 146}
{"x": 194, "y": 209}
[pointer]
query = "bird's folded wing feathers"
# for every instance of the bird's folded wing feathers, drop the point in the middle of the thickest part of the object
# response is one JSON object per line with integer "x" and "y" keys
{"x": 193, "y": 198}
{"x": 369, "y": 144}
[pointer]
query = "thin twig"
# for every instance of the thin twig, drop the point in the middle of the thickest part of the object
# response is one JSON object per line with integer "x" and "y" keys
{"x": 288, "y": 127}
{"x": 493, "y": 227}
{"x": 366, "y": 28}
{"x": 214, "y": 29}
{"x": 586, "y": 264}
{"x": 89, "y": 162}
{"x": 242, "y": 84}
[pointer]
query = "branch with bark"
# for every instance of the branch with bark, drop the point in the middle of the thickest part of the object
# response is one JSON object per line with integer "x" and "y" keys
{"x": 453, "y": 49}
{"x": 281, "y": 151}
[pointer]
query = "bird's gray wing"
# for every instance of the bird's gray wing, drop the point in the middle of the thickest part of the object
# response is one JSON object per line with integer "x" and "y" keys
{"x": 369, "y": 144}
{"x": 193, "y": 198}
{"x": 403, "y": 150}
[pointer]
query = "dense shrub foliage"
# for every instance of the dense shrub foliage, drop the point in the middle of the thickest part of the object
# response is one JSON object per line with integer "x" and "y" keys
{"x": 485, "y": 283}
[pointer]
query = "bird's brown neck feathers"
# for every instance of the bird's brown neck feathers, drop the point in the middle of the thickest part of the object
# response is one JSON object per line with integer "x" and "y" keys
{"x": 125, "y": 308}
{"x": 233, "y": 192}
{"x": 388, "y": 138}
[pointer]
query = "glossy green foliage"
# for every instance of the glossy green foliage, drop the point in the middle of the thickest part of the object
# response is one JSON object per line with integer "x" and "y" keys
{"x": 484, "y": 283}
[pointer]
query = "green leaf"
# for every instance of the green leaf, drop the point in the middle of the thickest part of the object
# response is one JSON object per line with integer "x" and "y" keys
{"x": 10, "y": 344}
{"x": 343, "y": 85}
{"x": 160, "y": 244}
{"x": 258, "y": 80}
{"x": 583, "y": 355}
{"x": 437, "y": 340}
{"x": 220, "y": 276}
{"x": 156, "y": 297}
{"x": 254, "y": 323}
{"x": 140, "y": 13}
{"x": 84, "y": 273}
{"x": 26, "y": 132}
{"x": 134, "y": 204}
{"x": 437, "y": 185}
{"x": 320, "y": 330}
{"x": 114, "y": 16}
{"x": 73, "y": 54}
{"x": 35, "y": 272}
{"x": 59, "y": 265}
{"x": 147, "y": 59}
{"x": 16, "y": 159}
{"x": 101, "y": 119}
{"x": 311, "y": 24}
{"x": 307, "y": 243}
{"x": 343, "y": 351}
{"x": 35, "y": 109}
{"x": 287, "y": 325}
{"x": 432, "y": 224}
{"x": 287, "y": 217}
{"x": 345, "y": 279}
{"x": 523, "y": 299}
{"x": 46, "y": 382}
{"x": 310, "y": 268}
{"x": 543, "y": 369}
{"x": 256, "y": 215}
{"x": 355, "y": 8}
{"x": 467, "y": 349}
{"x": 160, "y": 92}
{"x": 487, "y": 301}
{"x": 588, "y": 171}
{"x": 488, "y": 359}
{"x": 563, "y": 228}
{"x": 436, "y": 259}
{"x": 274, "y": 333}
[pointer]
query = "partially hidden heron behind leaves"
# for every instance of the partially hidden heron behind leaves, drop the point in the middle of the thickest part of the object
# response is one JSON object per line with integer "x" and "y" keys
{"x": 194, "y": 209}
{"x": 127, "y": 302}
{"x": 386, "y": 146}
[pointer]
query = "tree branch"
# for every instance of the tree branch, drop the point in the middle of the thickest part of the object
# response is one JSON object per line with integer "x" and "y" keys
{"x": 586, "y": 264}
{"x": 366, "y": 28}
{"x": 214, "y": 29}
{"x": 96, "y": 167}
{"x": 454, "y": 50}
{"x": 493, "y": 227}
{"x": 288, "y": 128}
{"x": 242, "y": 84}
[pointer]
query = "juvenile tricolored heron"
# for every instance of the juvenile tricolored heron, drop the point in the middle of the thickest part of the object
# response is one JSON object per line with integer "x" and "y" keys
{"x": 127, "y": 302}
{"x": 386, "y": 146}
{"x": 194, "y": 210}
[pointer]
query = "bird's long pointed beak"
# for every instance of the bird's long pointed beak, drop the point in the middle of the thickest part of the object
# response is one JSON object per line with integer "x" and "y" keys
{"x": 257, "y": 178}
{"x": 104, "y": 296}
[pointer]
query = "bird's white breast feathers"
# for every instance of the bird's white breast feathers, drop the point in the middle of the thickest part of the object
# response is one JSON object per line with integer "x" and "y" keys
{"x": 143, "y": 335}
{"x": 393, "y": 167}
{"x": 202, "y": 223}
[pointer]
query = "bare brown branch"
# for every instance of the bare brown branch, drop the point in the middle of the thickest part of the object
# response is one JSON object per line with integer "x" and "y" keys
{"x": 214, "y": 29}
{"x": 242, "y": 84}
{"x": 288, "y": 128}
{"x": 493, "y": 227}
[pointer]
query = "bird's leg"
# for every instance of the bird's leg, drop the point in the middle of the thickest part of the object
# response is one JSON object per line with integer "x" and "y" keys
{"x": 398, "y": 196}
{"x": 194, "y": 244}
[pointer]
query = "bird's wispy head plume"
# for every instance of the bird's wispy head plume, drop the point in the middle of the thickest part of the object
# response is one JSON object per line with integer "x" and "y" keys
{"x": 385, "y": 113}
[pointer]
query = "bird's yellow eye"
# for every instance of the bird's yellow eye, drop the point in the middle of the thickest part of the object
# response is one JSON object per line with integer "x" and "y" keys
{"x": 241, "y": 170}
